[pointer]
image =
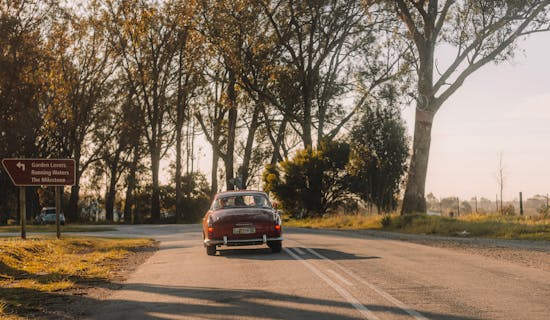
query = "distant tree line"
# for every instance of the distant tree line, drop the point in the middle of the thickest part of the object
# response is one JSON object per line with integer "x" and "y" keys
{"x": 121, "y": 85}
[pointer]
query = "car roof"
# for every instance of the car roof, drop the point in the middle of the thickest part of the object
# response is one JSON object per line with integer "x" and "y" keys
{"x": 239, "y": 193}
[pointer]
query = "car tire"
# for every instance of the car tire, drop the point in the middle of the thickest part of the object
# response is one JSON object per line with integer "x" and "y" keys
{"x": 275, "y": 246}
{"x": 211, "y": 250}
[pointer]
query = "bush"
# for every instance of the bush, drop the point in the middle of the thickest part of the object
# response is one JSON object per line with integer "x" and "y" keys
{"x": 312, "y": 182}
{"x": 544, "y": 210}
{"x": 509, "y": 210}
{"x": 386, "y": 221}
{"x": 379, "y": 157}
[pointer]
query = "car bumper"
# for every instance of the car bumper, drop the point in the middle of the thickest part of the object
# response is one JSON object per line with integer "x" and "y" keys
{"x": 241, "y": 242}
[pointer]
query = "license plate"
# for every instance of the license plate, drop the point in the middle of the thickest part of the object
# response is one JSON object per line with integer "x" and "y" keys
{"x": 246, "y": 230}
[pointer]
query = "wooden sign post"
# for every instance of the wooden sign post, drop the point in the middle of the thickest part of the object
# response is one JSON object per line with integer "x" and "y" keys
{"x": 25, "y": 172}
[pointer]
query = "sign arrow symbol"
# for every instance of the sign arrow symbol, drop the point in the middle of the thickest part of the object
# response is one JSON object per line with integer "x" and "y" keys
{"x": 21, "y": 166}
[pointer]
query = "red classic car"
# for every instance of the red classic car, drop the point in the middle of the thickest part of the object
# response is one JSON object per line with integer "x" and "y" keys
{"x": 238, "y": 218}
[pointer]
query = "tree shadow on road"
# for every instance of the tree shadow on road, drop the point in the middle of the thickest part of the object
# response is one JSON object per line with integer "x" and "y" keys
{"x": 182, "y": 302}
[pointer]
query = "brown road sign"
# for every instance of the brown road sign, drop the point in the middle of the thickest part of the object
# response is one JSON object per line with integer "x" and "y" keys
{"x": 41, "y": 172}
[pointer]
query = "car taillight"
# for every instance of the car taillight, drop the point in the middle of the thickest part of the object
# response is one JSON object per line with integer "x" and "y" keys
{"x": 210, "y": 227}
{"x": 278, "y": 227}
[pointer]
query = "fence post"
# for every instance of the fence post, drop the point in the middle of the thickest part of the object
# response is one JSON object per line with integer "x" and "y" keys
{"x": 520, "y": 203}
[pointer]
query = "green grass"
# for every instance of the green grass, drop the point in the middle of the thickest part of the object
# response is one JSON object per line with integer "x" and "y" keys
{"x": 51, "y": 228}
{"x": 487, "y": 226}
{"x": 37, "y": 270}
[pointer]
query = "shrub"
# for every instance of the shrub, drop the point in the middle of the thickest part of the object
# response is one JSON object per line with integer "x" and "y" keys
{"x": 379, "y": 156}
{"x": 386, "y": 221}
{"x": 509, "y": 210}
{"x": 312, "y": 182}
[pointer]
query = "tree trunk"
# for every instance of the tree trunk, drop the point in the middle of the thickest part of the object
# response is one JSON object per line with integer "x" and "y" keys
{"x": 130, "y": 185}
{"x": 232, "y": 127}
{"x": 179, "y": 133}
{"x": 414, "y": 200}
{"x": 155, "y": 197}
{"x": 179, "y": 212}
{"x": 214, "y": 175}
{"x": 111, "y": 192}
{"x": 306, "y": 125}
{"x": 110, "y": 199}
{"x": 245, "y": 168}
{"x": 279, "y": 142}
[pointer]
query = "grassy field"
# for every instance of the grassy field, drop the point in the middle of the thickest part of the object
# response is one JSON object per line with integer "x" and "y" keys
{"x": 488, "y": 226}
{"x": 37, "y": 272}
{"x": 51, "y": 228}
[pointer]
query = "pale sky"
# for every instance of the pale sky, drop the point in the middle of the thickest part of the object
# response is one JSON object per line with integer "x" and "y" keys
{"x": 500, "y": 108}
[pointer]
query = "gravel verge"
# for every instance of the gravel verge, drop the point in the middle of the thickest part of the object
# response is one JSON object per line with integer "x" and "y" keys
{"x": 534, "y": 254}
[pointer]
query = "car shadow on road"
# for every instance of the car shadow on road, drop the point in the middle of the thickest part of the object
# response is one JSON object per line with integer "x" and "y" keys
{"x": 184, "y": 302}
{"x": 264, "y": 253}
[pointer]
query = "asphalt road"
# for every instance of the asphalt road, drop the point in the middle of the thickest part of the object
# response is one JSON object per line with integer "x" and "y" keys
{"x": 321, "y": 275}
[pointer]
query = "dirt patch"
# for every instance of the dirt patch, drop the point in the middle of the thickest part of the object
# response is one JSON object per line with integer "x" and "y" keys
{"x": 72, "y": 303}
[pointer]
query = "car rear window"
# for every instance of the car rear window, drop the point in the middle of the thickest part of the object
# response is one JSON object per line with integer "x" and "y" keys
{"x": 241, "y": 201}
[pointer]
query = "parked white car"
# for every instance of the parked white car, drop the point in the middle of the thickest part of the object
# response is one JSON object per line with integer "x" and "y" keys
{"x": 47, "y": 216}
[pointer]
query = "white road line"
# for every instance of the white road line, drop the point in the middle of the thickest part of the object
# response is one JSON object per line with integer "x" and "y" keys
{"x": 345, "y": 294}
{"x": 299, "y": 251}
{"x": 339, "y": 277}
{"x": 381, "y": 292}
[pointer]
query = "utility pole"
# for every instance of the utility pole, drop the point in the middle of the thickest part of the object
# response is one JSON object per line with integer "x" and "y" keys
{"x": 458, "y": 206}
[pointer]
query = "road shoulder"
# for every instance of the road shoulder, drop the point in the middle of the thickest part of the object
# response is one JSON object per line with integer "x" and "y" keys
{"x": 534, "y": 254}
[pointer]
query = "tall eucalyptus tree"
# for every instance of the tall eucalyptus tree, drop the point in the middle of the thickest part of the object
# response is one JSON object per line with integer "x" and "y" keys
{"x": 478, "y": 32}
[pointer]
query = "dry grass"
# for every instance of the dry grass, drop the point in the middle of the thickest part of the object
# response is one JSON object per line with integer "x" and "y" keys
{"x": 52, "y": 228}
{"x": 488, "y": 226}
{"x": 337, "y": 222}
{"x": 32, "y": 269}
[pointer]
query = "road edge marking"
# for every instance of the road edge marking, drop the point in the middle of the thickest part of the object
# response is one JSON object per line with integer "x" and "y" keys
{"x": 343, "y": 292}
{"x": 381, "y": 292}
{"x": 342, "y": 279}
